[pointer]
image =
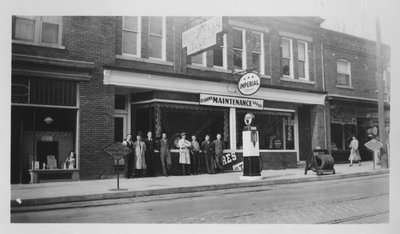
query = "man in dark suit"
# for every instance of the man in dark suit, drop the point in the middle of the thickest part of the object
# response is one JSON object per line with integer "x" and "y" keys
{"x": 150, "y": 147}
{"x": 218, "y": 148}
{"x": 206, "y": 147}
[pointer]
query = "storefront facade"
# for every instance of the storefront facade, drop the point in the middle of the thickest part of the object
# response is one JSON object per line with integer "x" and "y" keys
{"x": 178, "y": 105}
{"x": 87, "y": 82}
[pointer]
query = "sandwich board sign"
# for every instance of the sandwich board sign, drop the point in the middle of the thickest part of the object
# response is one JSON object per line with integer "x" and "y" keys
{"x": 117, "y": 151}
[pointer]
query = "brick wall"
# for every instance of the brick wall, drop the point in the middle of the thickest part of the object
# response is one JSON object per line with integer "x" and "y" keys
{"x": 361, "y": 55}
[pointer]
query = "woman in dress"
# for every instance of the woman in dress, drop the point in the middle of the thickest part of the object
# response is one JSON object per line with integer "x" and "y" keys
{"x": 184, "y": 153}
{"x": 139, "y": 148}
{"x": 354, "y": 152}
{"x": 129, "y": 157}
{"x": 70, "y": 161}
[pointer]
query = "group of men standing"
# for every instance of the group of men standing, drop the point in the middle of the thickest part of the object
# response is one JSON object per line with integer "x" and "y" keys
{"x": 143, "y": 152}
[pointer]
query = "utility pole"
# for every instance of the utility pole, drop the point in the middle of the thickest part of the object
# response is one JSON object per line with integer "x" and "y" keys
{"x": 379, "y": 80}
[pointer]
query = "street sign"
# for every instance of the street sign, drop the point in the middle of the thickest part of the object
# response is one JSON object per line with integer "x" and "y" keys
{"x": 117, "y": 150}
{"x": 373, "y": 145}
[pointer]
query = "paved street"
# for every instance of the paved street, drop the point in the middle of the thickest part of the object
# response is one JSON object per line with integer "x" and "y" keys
{"x": 356, "y": 200}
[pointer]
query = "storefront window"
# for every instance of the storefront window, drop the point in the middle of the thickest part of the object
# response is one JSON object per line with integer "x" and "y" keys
{"x": 276, "y": 129}
{"x": 195, "y": 121}
{"x": 341, "y": 135}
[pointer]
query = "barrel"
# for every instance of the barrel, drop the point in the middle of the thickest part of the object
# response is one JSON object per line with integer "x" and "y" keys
{"x": 325, "y": 162}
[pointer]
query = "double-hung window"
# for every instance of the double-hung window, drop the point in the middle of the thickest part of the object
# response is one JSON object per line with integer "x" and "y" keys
{"x": 302, "y": 48}
{"x": 286, "y": 58}
{"x": 219, "y": 52}
{"x": 157, "y": 37}
{"x": 239, "y": 49}
{"x": 343, "y": 73}
{"x": 131, "y": 35}
{"x": 37, "y": 29}
{"x": 257, "y": 53}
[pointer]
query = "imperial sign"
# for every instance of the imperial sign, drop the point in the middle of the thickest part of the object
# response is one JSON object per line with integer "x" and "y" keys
{"x": 249, "y": 84}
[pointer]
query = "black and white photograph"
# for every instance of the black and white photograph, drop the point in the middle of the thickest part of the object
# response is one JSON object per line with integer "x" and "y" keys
{"x": 234, "y": 116}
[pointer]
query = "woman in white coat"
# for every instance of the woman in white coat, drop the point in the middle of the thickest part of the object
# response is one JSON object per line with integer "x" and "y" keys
{"x": 354, "y": 152}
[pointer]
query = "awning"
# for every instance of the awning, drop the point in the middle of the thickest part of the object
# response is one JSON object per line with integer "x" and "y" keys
{"x": 161, "y": 82}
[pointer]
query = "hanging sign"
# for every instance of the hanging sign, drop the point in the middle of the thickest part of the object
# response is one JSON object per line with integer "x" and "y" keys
{"x": 249, "y": 84}
{"x": 217, "y": 100}
{"x": 202, "y": 36}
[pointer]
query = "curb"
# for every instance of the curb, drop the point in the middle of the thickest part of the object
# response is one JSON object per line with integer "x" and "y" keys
{"x": 37, "y": 204}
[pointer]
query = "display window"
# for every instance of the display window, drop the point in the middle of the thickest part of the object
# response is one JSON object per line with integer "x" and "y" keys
{"x": 276, "y": 129}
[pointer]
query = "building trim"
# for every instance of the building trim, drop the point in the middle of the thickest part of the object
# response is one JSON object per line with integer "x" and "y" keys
{"x": 350, "y": 98}
{"x": 45, "y": 106}
{"x": 295, "y": 36}
{"x": 54, "y": 75}
{"x": 248, "y": 26}
{"x": 158, "y": 82}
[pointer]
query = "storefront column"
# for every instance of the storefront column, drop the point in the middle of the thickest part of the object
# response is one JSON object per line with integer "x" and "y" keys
{"x": 157, "y": 117}
{"x": 296, "y": 134}
{"x": 232, "y": 128}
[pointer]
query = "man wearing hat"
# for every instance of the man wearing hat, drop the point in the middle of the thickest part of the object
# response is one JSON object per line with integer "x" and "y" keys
{"x": 150, "y": 148}
{"x": 184, "y": 153}
{"x": 139, "y": 149}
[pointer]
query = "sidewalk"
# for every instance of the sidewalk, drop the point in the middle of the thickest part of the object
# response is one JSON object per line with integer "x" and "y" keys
{"x": 63, "y": 192}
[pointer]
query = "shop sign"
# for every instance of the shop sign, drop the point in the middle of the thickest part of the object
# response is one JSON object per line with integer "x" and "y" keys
{"x": 249, "y": 84}
{"x": 238, "y": 167}
{"x": 117, "y": 150}
{"x": 228, "y": 158}
{"x": 343, "y": 120}
{"x": 217, "y": 100}
{"x": 373, "y": 145}
{"x": 202, "y": 36}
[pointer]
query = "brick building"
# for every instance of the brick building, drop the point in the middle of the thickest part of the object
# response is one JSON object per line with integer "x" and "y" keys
{"x": 81, "y": 83}
{"x": 350, "y": 80}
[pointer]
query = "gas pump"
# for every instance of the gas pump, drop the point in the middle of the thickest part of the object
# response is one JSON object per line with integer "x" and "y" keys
{"x": 251, "y": 151}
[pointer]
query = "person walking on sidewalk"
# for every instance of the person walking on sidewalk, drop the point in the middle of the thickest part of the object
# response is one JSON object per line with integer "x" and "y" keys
{"x": 165, "y": 154}
{"x": 184, "y": 154}
{"x": 218, "y": 148}
{"x": 206, "y": 147}
{"x": 195, "y": 155}
{"x": 129, "y": 157}
{"x": 354, "y": 152}
{"x": 150, "y": 147}
{"x": 139, "y": 157}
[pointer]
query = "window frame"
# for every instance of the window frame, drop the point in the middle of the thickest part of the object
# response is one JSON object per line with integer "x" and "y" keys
{"x": 38, "y": 30}
{"x": 291, "y": 66}
{"x": 243, "y": 50}
{"x": 224, "y": 54}
{"x": 139, "y": 37}
{"x": 348, "y": 70}
{"x": 203, "y": 60}
{"x": 163, "y": 38}
{"x": 306, "y": 62}
{"x": 261, "y": 53}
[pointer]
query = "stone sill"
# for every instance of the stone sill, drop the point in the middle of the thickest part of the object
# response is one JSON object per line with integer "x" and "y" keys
{"x": 154, "y": 61}
{"x": 54, "y": 46}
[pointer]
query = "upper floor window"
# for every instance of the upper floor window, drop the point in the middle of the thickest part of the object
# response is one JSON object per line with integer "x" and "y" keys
{"x": 286, "y": 57}
{"x": 157, "y": 37}
{"x": 131, "y": 28}
{"x": 257, "y": 53}
{"x": 39, "y": 29}
{"x": 302, "y": 48}
{"x": 220, "y": 52}
{"x": 239, "y": 49}
{"x": 343, "y": 73}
